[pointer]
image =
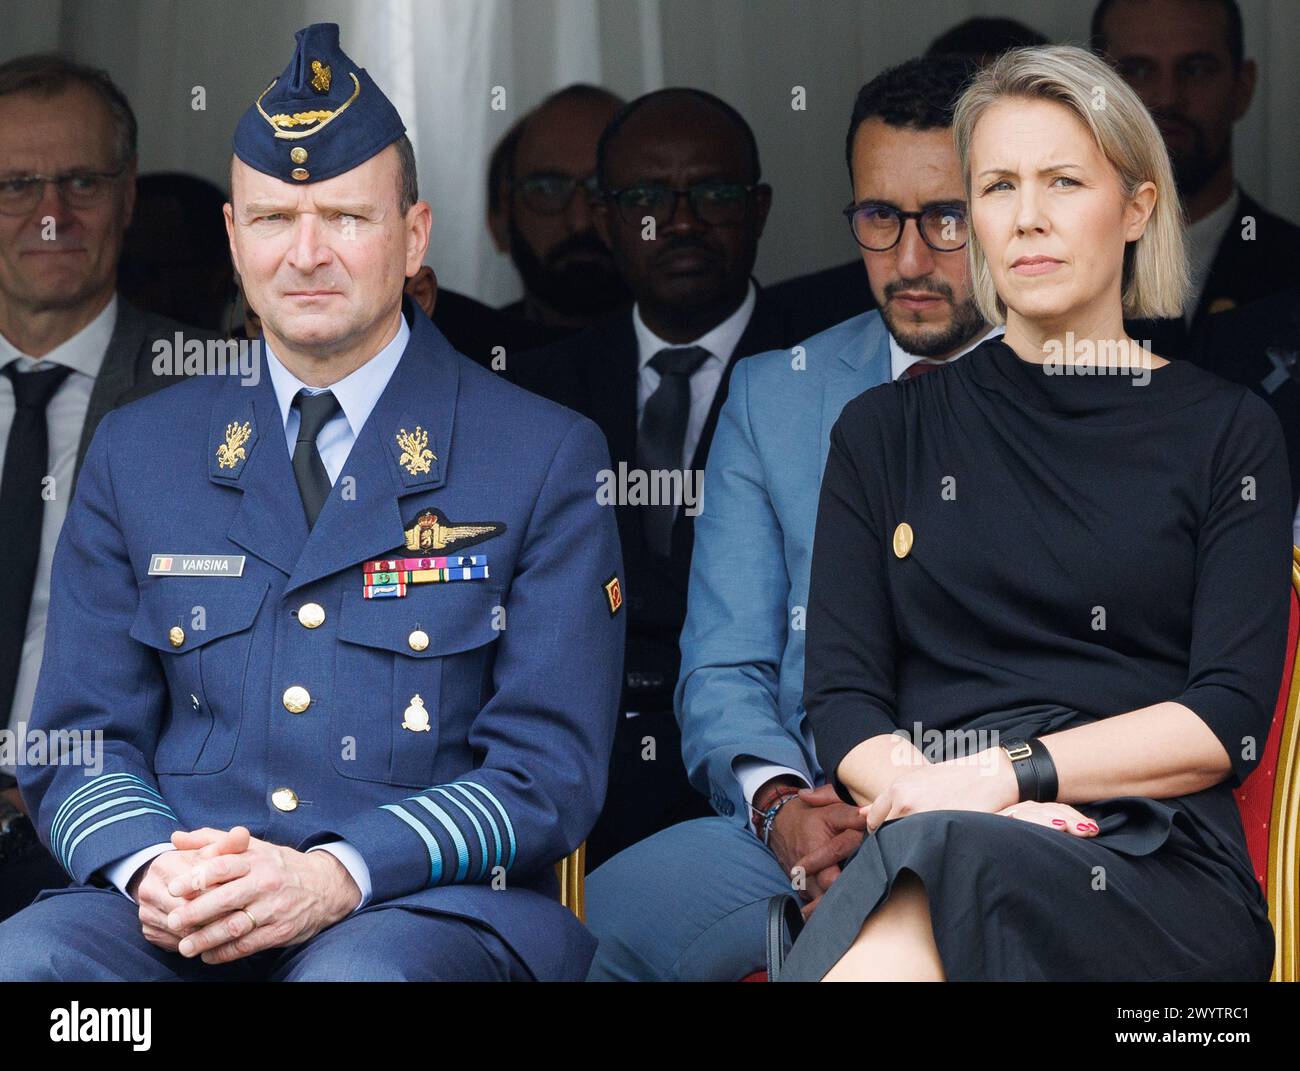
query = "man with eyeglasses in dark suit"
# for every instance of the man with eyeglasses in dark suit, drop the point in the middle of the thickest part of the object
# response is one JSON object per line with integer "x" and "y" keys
{"x": 71, "y": 349}
{"x": 682, "y": 207}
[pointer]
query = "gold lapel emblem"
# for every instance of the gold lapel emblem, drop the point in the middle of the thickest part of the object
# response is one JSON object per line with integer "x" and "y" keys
{"x": 231, "y": 452}
{"x": 320, "y": 76}
{"x": 416, "y": 718}
{"x": 415, "y": 453}
{"x": 431, "y": 531}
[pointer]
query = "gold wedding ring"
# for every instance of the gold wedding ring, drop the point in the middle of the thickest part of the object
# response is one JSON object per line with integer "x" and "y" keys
{"x": 250, "y": 916}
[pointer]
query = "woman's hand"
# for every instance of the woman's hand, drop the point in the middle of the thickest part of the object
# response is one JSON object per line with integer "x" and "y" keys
{"x": 980, "y": 782}
{"x": 1057, "y": 815}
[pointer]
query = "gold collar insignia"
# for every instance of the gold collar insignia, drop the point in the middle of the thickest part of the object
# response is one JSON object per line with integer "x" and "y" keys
{"x": 415, "y": 453}
{"x": 231, "y": 452}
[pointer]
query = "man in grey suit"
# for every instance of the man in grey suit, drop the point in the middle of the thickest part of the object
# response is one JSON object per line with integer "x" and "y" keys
{"x": 689, "y": 902}
{"x": 70, "y": 351}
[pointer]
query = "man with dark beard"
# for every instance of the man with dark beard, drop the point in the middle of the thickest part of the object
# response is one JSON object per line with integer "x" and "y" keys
{"x": 682, "y": 208}
{"x": 539, "y": 192}
{"x": 1184, "y": 58}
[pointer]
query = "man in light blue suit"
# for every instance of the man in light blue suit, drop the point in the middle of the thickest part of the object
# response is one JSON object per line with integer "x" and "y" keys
{"x": 689, "y": 902}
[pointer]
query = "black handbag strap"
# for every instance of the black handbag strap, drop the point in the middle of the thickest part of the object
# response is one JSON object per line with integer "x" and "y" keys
{"x": 783, "y": 916}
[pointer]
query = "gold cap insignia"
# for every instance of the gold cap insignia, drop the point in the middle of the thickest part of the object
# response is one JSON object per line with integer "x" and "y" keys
{"x": 415, "y": 453}
{"x": 432, "y": 531}
{"x": 415, "y": 717}
{"x": 316, "y": 120}
{"x": 320, "y": 76}
{"x": 231, "y": 452}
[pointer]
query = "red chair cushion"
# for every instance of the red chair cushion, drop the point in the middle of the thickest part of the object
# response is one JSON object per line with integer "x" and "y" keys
{"x": 1255, "y": 796}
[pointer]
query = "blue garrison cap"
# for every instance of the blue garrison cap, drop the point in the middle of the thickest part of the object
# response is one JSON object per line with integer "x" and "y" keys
{"x": 323, "y": 116}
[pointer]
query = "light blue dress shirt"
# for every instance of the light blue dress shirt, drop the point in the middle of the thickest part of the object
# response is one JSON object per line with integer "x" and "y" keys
{"x": 357, "y": 394}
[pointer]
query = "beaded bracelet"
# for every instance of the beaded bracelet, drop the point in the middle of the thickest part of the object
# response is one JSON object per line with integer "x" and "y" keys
{"x": 769, "y": 816}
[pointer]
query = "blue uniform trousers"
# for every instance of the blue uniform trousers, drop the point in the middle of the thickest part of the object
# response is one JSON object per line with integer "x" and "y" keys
{"x": 88, "y": 934}
{"x": 687, "y": 904}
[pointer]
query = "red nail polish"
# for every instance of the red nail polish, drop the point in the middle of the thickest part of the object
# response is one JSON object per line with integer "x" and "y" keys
{"x": 1081, "y": 825}
{"x": 1058, "y": 821}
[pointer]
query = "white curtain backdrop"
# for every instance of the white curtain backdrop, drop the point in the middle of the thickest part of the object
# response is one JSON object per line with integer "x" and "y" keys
{"x": 440, "y": 60}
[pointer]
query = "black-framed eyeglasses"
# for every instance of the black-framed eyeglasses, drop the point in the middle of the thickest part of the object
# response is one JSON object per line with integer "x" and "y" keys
{"x": 548, "y": 193}
{"x": 879, "y": 227}
{"x": 719, "y": 204}
{"x": 19, "y": 194}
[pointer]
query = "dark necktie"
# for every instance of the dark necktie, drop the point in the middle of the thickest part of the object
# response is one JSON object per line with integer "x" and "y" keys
{"x": 22, "y": 508}
{"x": 920, "y": 368}
{"x": 663, "y": 432}
{"x": 314, "y": 412}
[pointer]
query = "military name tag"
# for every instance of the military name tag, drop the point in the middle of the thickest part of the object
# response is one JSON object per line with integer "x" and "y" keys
{"x": 196, "y": 565}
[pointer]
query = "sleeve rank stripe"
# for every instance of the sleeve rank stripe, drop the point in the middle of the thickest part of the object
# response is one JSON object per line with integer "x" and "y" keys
{"x": 435, "y": 853}
{"x": 510, "y": 829}
{"x": 453, "y": 831}
{"x": 478, "y": 829}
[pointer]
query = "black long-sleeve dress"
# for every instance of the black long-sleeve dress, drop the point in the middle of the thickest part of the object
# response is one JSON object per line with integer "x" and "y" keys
{"x": 1082, "y": 546}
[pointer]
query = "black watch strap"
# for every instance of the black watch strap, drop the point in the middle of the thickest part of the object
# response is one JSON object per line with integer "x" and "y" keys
{"x": 1034, "y": 769}
{"x": 1045, "y": 771}
{"x": 1021, "y": 753}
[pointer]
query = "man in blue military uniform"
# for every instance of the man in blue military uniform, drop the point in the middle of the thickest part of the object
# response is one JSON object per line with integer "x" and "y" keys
{"x": 352, "y": 635}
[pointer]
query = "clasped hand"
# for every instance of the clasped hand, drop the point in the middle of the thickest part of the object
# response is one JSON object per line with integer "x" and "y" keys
{"x": 224, "y": 895}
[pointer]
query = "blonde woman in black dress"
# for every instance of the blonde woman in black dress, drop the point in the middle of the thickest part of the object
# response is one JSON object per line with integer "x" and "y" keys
{"x": 1049, "y": 597}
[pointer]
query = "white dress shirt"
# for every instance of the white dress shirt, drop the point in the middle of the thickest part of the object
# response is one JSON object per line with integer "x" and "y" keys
{"x": 357, "y": 394}
{"x": 65, "y": 417}
{"x": 753, "y": 774}
{"x": 721, "y": 342}
{"x": 1203, "y": 240}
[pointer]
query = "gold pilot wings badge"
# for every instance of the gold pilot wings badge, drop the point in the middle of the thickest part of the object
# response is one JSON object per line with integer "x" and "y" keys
{"x": 432, "y": 531}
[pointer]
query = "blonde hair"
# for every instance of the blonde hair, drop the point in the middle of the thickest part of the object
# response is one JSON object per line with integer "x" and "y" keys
{"x": 1154, "y": 282}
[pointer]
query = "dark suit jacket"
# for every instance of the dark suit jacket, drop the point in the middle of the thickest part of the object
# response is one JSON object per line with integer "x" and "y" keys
{"x": 476, "y": 329}
{"x": 125, "y": 375}
{"x": 1237, "y": 345}
{"x": 1242, "y": 272}
{"x": 596, "y": 373}
{"x": 1245, "y": 271}
{"x": 127, "y": 372}
{"x": 812, "y": 303}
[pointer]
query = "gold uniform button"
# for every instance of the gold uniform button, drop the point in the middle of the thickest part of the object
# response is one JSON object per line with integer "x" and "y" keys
{"x": 418, "y": 640}
{"x": 903, "y": 540}
{"x": 311, "y": 615}
{"x": 176, "y": 636}
{"x": 285, "y": 799}
{"x": 300, "y": 174}
{"x": 298, "y": 155}
{"x": 296, "y": 699}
